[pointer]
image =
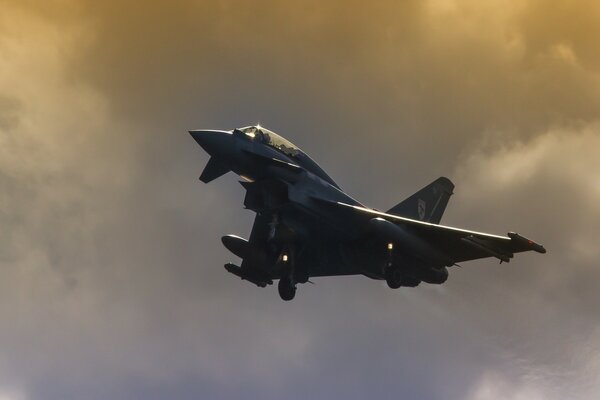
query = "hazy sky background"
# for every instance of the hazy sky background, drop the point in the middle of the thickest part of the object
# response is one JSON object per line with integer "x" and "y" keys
{"x": 111, "y": 268}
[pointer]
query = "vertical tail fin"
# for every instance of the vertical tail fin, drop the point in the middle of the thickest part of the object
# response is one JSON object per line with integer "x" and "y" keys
{"x": 428, "y": 204}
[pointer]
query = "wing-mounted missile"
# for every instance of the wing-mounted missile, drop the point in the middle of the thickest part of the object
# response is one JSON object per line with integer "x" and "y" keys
{"x": 244, "y": 250}
{"x": 247, "y": 275}
{"x": 251, "y": 256}
{"x": 214, "y": 169}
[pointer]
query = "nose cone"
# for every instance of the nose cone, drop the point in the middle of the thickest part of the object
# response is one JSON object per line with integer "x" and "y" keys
{"x": 213, "y": 142}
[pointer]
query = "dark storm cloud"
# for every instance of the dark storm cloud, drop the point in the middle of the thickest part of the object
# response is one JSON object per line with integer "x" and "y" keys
{"x": 111, "y": 282}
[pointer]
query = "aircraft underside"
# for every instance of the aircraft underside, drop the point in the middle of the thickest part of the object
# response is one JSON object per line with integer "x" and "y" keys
{"x": 294, "y": 263}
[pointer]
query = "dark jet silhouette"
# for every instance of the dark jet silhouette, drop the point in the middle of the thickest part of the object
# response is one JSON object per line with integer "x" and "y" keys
{"x": 306, "y": 226}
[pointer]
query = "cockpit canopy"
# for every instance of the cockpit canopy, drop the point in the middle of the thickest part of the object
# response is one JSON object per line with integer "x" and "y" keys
{"x": 270, "y": 138}
{"x": 263, "y": 135}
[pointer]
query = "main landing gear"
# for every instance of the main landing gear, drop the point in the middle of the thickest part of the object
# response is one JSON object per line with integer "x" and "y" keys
{"x": 287, "y": 283}
{"x": 393, "y": 274}
{"x": 287, "y": 289}
{"x": 393, "y": 277}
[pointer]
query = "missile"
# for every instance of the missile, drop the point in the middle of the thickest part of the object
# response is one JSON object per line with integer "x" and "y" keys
{"x": 246, "y": 275}
{"x": 252, "y": 256}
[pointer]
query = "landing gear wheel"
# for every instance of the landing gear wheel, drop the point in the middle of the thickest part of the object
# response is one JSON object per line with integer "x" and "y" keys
{"x": 393, "y": 284}
{"x": 394, "y": 278}
{"x": 287, "y": 290}
{"x": 287, "y": 282}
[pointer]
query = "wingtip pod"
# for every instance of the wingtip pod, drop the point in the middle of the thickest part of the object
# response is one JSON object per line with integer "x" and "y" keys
{"x": 527, "y": 242}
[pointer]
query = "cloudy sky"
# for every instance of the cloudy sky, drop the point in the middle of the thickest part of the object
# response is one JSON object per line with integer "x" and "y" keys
{"x": 111, "y": 268}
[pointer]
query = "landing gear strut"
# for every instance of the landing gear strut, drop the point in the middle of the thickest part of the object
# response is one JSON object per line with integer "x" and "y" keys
{"x": 392, "y": 274}
{"x": 287, "y": 284}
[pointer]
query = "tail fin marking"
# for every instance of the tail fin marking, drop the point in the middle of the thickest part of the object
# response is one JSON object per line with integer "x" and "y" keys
{"x": 428, "y": 204}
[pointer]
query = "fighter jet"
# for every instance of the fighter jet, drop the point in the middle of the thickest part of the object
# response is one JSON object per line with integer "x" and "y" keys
{"x": 306, "y": 226}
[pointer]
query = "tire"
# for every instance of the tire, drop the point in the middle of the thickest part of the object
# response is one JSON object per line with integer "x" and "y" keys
{"x": 287, "y": 291}
{"x": 393, "y": 283}
{"x": 394, "y": 279}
